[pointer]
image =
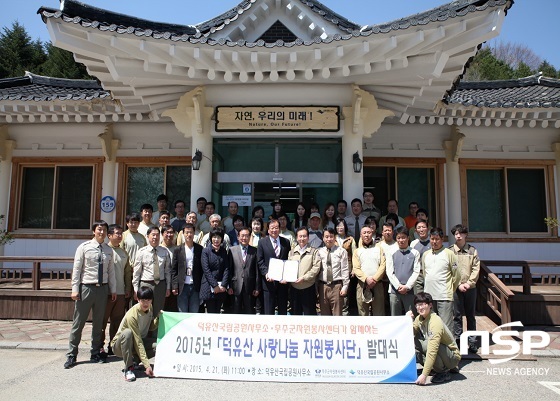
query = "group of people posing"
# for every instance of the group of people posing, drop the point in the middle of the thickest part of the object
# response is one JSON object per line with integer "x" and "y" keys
{"x": 363, "y": 263}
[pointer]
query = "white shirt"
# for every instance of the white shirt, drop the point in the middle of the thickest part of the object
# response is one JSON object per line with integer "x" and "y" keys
{"x": 189, "y": 256}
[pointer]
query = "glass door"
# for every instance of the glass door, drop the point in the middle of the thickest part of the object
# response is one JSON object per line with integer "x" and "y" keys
{"x": 291, "y": 171}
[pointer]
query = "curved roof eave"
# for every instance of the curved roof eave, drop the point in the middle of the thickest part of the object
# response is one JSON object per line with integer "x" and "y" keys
{"x": 122, "y": 24}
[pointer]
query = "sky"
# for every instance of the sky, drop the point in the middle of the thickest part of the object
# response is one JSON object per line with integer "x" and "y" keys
{"x": 533, "y": 23}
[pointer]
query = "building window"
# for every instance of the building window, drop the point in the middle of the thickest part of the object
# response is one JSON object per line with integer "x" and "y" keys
{"x": 509, "y": 199}
{"x": 142, "y": 182}
{"x": 406, "y": 181}
{"x": 54, "y": 196}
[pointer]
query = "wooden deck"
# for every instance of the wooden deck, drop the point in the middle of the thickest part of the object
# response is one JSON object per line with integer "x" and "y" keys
{"x": 28, "y": 292}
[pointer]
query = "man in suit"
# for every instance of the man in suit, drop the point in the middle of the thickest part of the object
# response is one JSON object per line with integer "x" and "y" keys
{"x": 273, "y": 246}
{"x": 246, "y": 281}
{"x": 186, "y": 272}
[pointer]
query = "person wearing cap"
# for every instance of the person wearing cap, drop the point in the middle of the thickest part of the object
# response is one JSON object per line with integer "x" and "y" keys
{"x": 215, "y": 221}
{"x": 315, "y": 233}
{"x": 161, "y": 205}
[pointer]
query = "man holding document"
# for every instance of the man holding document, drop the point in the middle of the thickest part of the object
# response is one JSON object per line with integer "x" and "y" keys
{"x": 273, "y": 247}
{"x": 308, "y": 264}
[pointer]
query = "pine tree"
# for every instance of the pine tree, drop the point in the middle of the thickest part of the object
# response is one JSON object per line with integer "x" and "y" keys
{"x": 19, "y": 52}
{"x": 523, "y": 70}
{"x": 548, "y": 70}
{"x": 486, "y": 67}
{"x": 61, "y": 64}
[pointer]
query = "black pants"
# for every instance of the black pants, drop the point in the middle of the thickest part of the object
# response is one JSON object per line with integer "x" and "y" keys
{"x": 304, "y": 302}
{"x": 276, "y": 297}
{"x": 242, "y": 303}
{"x": 214, "y": 305}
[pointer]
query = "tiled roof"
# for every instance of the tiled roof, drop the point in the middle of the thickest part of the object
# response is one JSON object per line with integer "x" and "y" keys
{"x": 104, "y": 20}
{"x": 535, "y": 91}
{"x": 38, "y": 88}
{"x": 457, "y": 8}
{"x": 92, "y": 17}
{"x": 226, "y": 18}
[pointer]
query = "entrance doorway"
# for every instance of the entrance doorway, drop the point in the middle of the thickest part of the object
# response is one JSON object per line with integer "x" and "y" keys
{"x": 290, "y": 171}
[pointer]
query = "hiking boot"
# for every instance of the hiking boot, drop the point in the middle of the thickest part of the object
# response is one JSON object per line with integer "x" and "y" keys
{"x": 98, "y": 358}
{"x": 441, "y": 377}
{"x": 70, "y": 361}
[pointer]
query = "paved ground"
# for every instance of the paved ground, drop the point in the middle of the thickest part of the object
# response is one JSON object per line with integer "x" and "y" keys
{"x": 39, "y": 375}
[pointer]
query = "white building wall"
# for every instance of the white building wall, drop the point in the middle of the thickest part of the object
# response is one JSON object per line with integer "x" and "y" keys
{"x": 43, "y": 247}
{"x": 393, "y": 139}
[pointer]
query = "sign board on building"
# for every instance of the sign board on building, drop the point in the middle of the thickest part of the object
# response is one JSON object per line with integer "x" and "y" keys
{"x": 277, "y": 118}
{"x": 107, "y": 204}
{"x": 242, "y": 200}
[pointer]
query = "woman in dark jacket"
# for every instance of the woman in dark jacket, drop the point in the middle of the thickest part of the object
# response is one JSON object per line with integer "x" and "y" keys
{"x": 215, "y": 273}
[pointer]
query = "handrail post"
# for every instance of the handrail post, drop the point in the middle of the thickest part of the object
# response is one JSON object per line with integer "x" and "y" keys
{"x": 527, "y": 279}
{"x": 506, "y": 314}
{"x": 36, "y": 276}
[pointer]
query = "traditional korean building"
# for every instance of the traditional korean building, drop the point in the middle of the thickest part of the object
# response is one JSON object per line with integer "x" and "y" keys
{"x": 282, "y": 99}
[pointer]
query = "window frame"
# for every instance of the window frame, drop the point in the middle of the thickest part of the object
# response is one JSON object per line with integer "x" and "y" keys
{"x": 438, "y": 164}
{"x": 122, "y": 179}
{"x": 548, "y": 167}
{"x": 16, "y": 187}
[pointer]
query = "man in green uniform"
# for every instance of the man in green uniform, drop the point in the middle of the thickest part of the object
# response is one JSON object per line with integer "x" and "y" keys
{"x": 132, "y": 338}
{"x": 435, "y": 345}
